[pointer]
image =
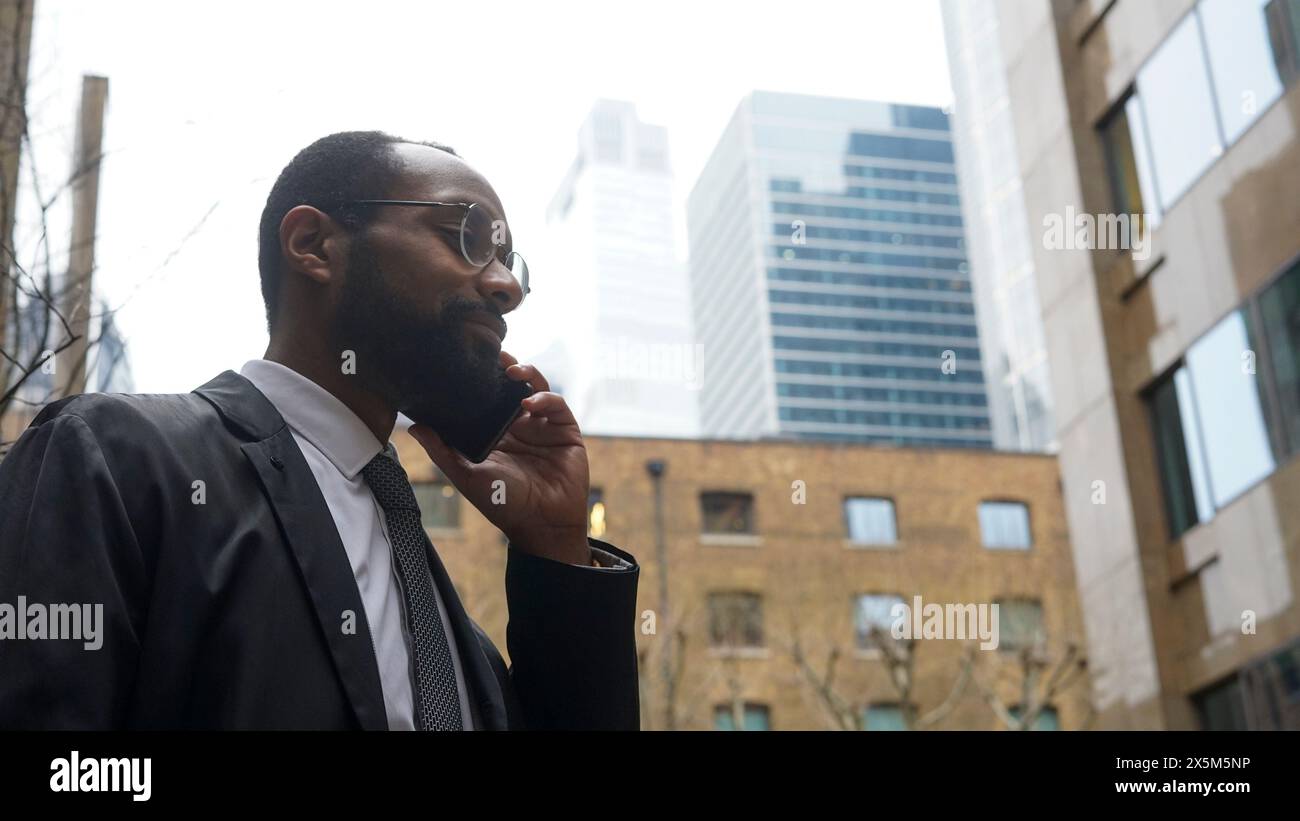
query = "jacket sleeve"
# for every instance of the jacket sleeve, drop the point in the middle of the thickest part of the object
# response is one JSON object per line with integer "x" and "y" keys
{"x": 72, "y": 570}
{"x": 572, "y": 642}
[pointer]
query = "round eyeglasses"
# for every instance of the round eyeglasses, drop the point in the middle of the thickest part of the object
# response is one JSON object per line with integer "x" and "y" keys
{"x": 481, "y": 238}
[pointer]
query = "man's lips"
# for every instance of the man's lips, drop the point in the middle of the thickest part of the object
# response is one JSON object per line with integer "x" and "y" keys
{"x": 494, "y": 324}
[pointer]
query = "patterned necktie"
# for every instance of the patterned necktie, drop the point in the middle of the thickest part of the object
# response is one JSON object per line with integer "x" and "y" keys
{"x": 437, "y": 701}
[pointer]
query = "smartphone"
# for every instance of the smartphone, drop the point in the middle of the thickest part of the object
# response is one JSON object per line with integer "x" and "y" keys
{"x": 476, "y": 439}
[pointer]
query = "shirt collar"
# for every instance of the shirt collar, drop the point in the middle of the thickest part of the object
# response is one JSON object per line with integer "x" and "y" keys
{"x": 315, "y": 414}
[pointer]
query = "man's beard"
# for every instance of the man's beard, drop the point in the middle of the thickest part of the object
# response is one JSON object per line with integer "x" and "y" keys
{"x": 424, "y": 367}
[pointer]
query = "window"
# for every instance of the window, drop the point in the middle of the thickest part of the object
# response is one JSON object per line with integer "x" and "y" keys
{"x": 870, "y": 521}
{"x": 1246, "y": 78}
{"x": 1125, "y": 139}
{"x": 754, "y": 717}
{"x": 596, "y": 513}
{"x": 1020, "y": 624}
{"x": 1283, "y": 21}
{"x": 885, "y": 717}
{"x": 1211, "y": 429}
{"x": 1220, "y": 707}
{"x": 439, "y": 504}
{"x": 873, "y": 611}
{"x": 1005, "y": 525}
{"x": 735, "y": 619}
{"x": 730, "y": 513}
{"x": 1279, "y": 307}
{"x": 1219, "y": 69}
{"x": 1179, "y": 106}
{"x": 1047, "y": 718}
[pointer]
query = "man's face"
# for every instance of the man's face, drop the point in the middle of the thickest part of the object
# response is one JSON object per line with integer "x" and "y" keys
{"x": 422, "y": 321}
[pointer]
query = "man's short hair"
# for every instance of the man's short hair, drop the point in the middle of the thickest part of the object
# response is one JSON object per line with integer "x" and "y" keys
{"x": 349, "y": 165}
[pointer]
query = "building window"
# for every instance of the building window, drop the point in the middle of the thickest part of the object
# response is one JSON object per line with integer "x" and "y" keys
{"x": 596, "y": 513}
{"x": 1020, "y": 624}
{"x": 1210, "y": 424}
{"x": 1221, "y": 707}
{"x": 1175, "y": 91}
{"x": 1242, "y": 58}
{"x": 1215, "y": 74}
{"x": 439, "y": 504}
{"x": 1283, "y": 23}
{"x": 870, "y": 521}
{"x": 735, "y": 620}
{"x": 1005, "y": 525}
{"x": 1047, "y": 718}
{"x": 753, "y": 717}
{"x": 729, "y": 513}
{"x": 873, "y": 612}
{"x": 885, "y": 717}
{"x": 1279, "y": 307}
{"x": 1125, "y": 139}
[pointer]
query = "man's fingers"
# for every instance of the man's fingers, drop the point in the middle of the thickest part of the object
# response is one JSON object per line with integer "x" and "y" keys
{"x": 529, "y": 374}
{"x": 551, "y": 406}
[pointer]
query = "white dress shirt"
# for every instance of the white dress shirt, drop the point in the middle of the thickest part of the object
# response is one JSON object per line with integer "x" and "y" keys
{"x": 337, "y": 445}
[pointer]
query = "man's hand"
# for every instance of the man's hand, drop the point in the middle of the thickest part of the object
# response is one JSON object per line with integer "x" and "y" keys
{"x": 542, "y": 461}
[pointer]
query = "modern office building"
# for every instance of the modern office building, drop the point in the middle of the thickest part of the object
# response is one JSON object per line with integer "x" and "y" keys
{"x": 999, "y": 244}
{"x": 1175, "y": 349}
{"x": 623, "y": 354}
{"x": 777, "y": 559}
{"x": 829, "y": 278}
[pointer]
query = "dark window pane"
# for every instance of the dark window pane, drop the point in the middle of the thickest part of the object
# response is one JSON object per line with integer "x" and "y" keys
{"x": 1220, "y": 707}
{"x": 727, "y": 512}
{"x": 1175, "y": 476}
{"x": 1126, "y": 158}
{"x": 1283, "y": 21}
{"x": 1280, "y": 307}
{"x": 1020, "y": 624}
{"x": 735, "y": 619}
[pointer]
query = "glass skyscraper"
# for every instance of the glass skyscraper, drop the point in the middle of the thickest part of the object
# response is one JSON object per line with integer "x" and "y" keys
{"x": 829, "y": 279}
{"x": 998, "y": 230}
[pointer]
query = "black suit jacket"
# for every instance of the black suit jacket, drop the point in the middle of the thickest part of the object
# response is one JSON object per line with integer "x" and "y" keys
{"x": 230, "y": 614}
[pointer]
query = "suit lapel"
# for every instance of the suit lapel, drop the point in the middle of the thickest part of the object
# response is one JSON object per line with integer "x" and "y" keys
{"x": 484, "y": 689}
{"x": 308, "y": 527}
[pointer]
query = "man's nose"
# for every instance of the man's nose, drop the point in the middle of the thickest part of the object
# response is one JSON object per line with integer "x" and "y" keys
{"x": 497, "y": 284}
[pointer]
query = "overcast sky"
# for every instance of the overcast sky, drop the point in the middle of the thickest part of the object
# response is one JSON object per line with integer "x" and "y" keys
{"x": 208, "y": 101}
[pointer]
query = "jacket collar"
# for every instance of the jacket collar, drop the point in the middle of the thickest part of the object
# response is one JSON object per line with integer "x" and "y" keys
{"x": 308, "y": 527}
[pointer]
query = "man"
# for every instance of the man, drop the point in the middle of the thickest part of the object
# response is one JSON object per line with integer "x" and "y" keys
{"x": 250, "y": 555}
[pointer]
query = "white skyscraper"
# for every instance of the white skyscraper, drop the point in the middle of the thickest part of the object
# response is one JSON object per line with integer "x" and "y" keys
{"x": 624, "y": 357}
{"x": 997, "y": 231}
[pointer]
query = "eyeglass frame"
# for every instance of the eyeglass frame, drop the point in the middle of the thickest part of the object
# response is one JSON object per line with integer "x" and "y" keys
{"x": 468, "y": 206}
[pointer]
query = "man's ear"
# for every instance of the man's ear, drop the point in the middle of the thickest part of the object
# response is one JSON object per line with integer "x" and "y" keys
{"x": 311, "y": 242}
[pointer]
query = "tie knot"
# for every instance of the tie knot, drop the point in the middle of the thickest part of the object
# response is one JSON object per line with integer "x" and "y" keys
{"x": 388, "y": 482}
